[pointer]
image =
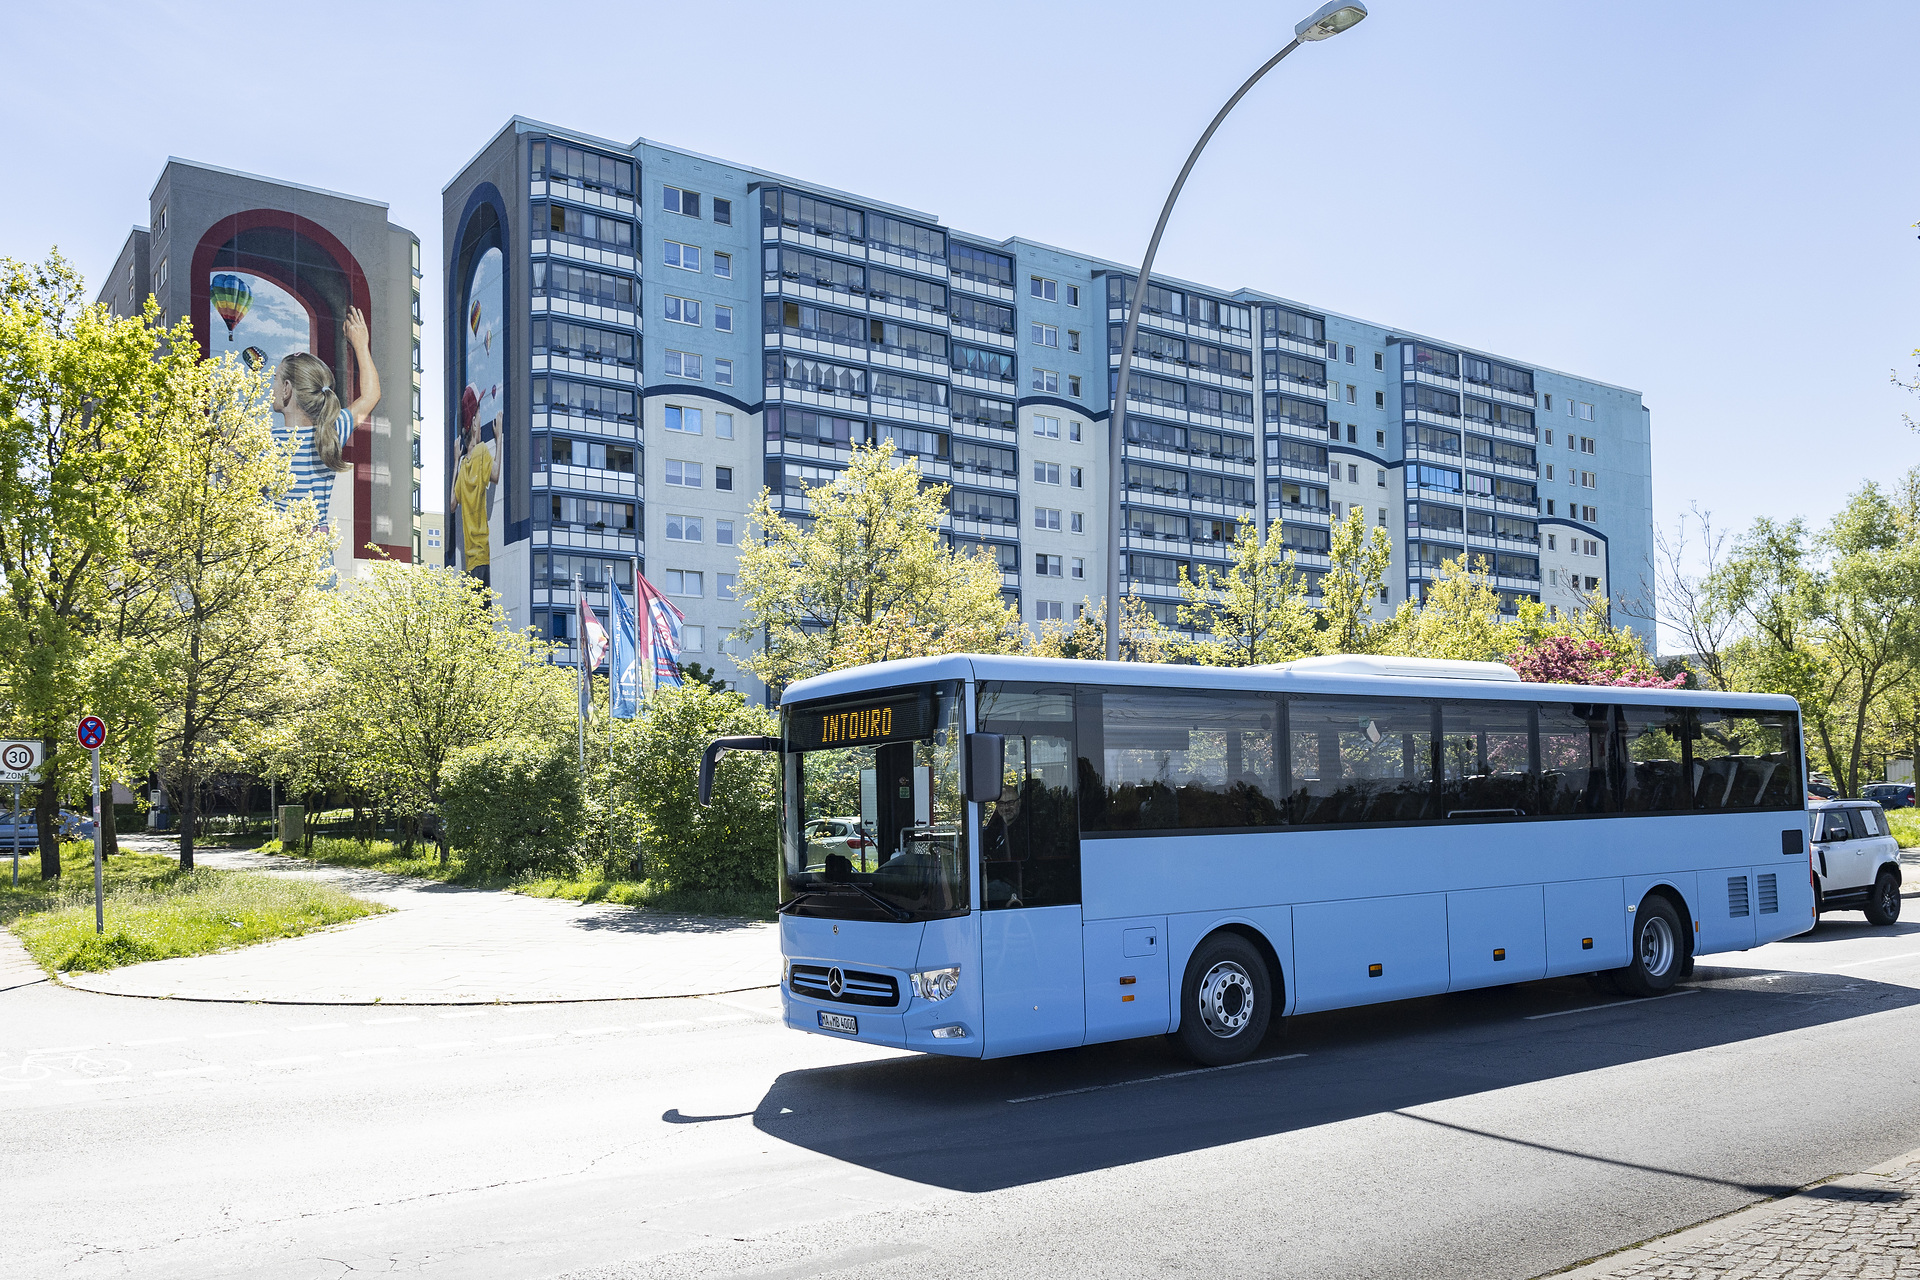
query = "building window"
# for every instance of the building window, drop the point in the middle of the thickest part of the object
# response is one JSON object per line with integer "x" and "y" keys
{"x": 1046, "y": 472}
{"x": 1549, "y": 435}
{"x": 693, "y": 639}
{"x": 1353, "y": 473}
{"x": 1380, "y": 477}
{"x": 1590, "y": 514}
{"x": 1549, "y": 506}
{"x": 723, "y": 373}
{"x": 674, "y": 200}
{"x": 1046, "y": 518}
{"x": 1581, "y": 410}
{"x": 1073, "y": 388}
{"x": 1047, "y": 380}
{"x": 1547, "y": 404}
{"x": 160, "y": 275}
{"x": 723, "y": 533}
{"x": 684, "y": 256}
{"x": 683, "y": 528}
{"x": 1079, "y": 568}
{"x": 1077, "y": 522}
{"x": 723, "y": 588}
{"x": 1353, "y": 392}
{"x": 1586, "y": 444}
{"x": 723, "y": 266}
{"x": 1349, "y": 355}
{"x": 1076, "y": 478}
{"x": 1379, "y": 360}
{"x": 1047, "y": 427}
{"x": 1382, "y": 521}
{"x": 684, "y": 474}
{"x": 723, "y": 426}
{"x": 1553, "y": 542}
{"x": 1047, "y": 611}
{"x": 683, "y": 364}
{"x": 683, "y": 419}
{"x": 1046, "y": 290}
{"x": 1073, "y": 339}
{"x": 1073, "y": 295}
{"x": 682, "y": 583}
{"x": 723, "y": 318}
{"x": 1047, "y": 566}
{"x": 1549, "y": 471}
{"x": 1587, "y": 480}
{"x": 1379, "y": 399}
{"x": 683, "y": 310}
{"x": 723, "y": 478}
{"x": 1045, "y": 335}
{"x": 722, "y": 211}
{"x": 1380, "y": 439}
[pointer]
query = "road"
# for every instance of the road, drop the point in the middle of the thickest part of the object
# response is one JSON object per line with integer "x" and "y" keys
{"x": 1503, "y": 1133}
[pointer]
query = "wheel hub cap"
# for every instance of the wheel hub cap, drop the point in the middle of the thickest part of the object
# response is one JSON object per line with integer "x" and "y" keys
{"x": 1226, "y": 999}
{"x": 1656, "y": 946}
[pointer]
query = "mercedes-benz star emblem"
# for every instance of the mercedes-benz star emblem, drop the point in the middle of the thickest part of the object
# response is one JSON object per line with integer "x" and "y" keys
{"x": 834, "y": 983}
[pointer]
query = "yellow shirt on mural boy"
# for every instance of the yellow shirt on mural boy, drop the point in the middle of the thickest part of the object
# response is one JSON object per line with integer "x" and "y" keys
{"x": 470, "y": 495}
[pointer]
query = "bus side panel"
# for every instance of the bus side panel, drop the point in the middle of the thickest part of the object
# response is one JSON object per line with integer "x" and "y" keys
{"x": 1185, "y": 933}
{"x": 1337, "y": 947}
{"x": 1723, "y": 911}
{"x": 1032, "y": 976}
{"x": 1791, "y": 897}
{"x": 1496, "y": 936}
{"x": 1638, "y": 886}
{"x": 1126, "y": 978}
{"x": 1586, "y": 927}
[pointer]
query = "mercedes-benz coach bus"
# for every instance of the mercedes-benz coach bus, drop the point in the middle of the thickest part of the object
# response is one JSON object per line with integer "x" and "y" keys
{"x": 986, "y": 856}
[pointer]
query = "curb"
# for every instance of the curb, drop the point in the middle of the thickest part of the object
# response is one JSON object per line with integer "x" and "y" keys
{"x": 1727, "y": 1224}
{"x": 60, "y": 980}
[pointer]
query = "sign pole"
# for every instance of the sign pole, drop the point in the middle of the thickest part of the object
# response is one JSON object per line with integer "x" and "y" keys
{"x": 16, "y": 835}
{"x": 99, "y": 900}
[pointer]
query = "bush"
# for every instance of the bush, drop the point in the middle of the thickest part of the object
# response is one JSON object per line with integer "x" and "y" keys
{"x": 514, "y": 807}
{"x": 730, "y": 847}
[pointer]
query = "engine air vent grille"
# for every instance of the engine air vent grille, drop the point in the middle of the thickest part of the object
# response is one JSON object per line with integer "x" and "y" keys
{"x": 1769, "y": 894}
{"x": 1737, "y": 905}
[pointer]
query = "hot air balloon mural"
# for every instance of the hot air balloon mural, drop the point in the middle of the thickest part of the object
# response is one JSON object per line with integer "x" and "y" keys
{"x": 473, "y": 317}
{"x": 232, "y": 295}
{"x": 255, "y": 358}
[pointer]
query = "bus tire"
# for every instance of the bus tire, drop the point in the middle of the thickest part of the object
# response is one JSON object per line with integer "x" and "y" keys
{"x": 1659, "y": 949}
{"x": 1226, "y": 1001}
{"x": 1883, "y": 903}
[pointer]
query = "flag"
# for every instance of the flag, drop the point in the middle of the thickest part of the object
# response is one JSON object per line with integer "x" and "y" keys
{"x": 659, "y": 647}
{"x": 625, "y": 673}
{"x": 593, "y": 636}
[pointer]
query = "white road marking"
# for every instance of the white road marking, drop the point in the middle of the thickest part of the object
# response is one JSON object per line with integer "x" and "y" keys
{"x": 10, "y": 1088}
{"x": 368, "y": 1053}
{"x": 321, "y": 1026}
{"x": 595, "y": 1031}
{"x": 232, "y": 1035}
{"x": 65, "y": 1048}
{"x": 443, "y": 1044}
{"x": 1171, "y": 1075}
{"x": 538, "y": 1035}
{"x": 188, "y": 1071}
{"x": 1860, "y": 964}
{"x": 99, "y": 1080}
{"x": 1617, "y": 1004}
{"x": 141, "y": 1044}
{"x": 382, "y": 1022}
{"x": 286, "y": 1062}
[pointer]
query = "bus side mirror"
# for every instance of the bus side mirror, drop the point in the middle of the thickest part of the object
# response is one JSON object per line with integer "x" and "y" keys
{"x": 983, "y": 766}
{"x": 711, "y": 756}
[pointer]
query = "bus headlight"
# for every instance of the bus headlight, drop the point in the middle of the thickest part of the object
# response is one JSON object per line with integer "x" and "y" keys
{"x": 936, "y": 984}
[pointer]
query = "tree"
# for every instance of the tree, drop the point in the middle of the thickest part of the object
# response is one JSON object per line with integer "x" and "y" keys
{"x": 867, "y": 580}
{"x": 1566, "y": 659}
{"x": 1359, "y": 560}
{"x": 420, "y": 663}
{"x": 1256, "y": 612}
{"x": 1690, "y": 603}
{"x": 236, "y": 576}
{"x": 1460, "y": 617}
{"x": 86, "y": 405}
{"x": 515, "y": 806}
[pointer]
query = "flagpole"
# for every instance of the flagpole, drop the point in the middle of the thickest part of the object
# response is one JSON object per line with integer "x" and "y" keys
{"x": 580, "y": 648}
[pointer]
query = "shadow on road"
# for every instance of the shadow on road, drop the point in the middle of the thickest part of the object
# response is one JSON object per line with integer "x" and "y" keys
{"x": 954, "y": 1123}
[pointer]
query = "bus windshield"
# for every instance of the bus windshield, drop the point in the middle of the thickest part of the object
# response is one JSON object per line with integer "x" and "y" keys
{"x": 872, "y": 821}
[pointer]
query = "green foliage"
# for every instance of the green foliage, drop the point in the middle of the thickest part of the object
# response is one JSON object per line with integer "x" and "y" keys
{"x": 1905, "y": 826}
{"x": 1255, "y": 612}
{"x": 728, "y": 847}
{"x": 514, "y": 806}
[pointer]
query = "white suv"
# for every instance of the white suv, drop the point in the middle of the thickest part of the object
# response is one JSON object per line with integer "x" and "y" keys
{"x": 1856, "y": 860}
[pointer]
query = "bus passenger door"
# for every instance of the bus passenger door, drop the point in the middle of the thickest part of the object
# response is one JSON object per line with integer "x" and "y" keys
{"x": 1031, "y": 964}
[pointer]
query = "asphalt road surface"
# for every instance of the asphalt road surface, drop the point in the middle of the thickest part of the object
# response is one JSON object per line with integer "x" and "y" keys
{"x": 1503, "y": 1133}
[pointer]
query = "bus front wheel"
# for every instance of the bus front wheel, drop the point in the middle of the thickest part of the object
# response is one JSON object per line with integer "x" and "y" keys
{"x": 1659, "y": 950}
{"x": 1226, "y": 1001}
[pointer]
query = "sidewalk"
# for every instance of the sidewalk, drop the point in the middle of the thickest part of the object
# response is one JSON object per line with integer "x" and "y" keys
{"x": 1864, "y": 1225}
{"x": 443, "y": 944}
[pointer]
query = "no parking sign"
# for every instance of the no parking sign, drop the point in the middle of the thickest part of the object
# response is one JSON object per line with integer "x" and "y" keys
{"x": 92, "y": 733}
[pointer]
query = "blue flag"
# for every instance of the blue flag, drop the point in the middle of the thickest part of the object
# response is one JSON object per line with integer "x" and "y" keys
{"x": 624, "y": 669}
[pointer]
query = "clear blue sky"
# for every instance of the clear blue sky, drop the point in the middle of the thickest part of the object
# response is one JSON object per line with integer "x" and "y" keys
{"x": 1708, "y": 202}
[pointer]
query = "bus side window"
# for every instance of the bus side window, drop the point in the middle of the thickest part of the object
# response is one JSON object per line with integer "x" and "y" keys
{"x": 1489, "y": 767}
{"x": 1360, "y": 759}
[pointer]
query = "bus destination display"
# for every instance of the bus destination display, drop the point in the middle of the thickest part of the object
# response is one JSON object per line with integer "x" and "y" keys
{"x": 903, "y": 718}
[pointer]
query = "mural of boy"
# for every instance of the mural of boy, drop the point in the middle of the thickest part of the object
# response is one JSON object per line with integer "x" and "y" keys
{"x": 476, "y": 472}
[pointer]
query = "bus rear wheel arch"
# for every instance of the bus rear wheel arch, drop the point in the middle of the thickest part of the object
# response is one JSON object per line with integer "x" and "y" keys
{"x": 1227, "y": 999}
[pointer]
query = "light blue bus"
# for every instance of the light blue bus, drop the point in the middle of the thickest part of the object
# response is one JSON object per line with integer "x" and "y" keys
{"x": 984, "y": 856}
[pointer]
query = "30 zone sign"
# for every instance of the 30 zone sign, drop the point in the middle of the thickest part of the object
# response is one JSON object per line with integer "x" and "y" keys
{"x": 18, "y": 757}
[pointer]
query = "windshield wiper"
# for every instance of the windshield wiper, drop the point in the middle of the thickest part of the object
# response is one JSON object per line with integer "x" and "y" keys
{"x": 838, "y": 886}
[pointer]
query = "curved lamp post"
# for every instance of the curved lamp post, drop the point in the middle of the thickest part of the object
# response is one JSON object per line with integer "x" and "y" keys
{"x": 1328, "y": 20}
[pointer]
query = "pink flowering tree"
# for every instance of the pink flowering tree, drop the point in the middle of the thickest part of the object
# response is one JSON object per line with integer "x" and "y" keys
{"x": 1568, "y": 660}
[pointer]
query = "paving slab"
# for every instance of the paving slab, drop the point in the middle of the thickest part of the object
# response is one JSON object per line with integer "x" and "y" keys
{"x": 1867, "y": 1224}
{"x": 444, "y": 944}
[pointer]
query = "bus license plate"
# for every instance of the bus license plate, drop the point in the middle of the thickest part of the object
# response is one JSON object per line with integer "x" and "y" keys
{"x": 839, "y": 1022}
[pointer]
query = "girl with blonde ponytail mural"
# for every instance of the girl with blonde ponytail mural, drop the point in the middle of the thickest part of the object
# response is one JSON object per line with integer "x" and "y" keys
{"x": 305, "y": 397}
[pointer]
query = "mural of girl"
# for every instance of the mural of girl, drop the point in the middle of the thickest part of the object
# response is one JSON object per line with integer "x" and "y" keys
{"x": 475, "y": 473}
{"x": 305, "y": 397}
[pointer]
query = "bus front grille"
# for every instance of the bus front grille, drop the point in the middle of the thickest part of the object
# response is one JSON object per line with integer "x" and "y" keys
{"x": 854, "y": 986}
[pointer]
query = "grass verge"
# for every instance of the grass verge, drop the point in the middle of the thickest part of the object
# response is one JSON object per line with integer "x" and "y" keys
{"x": 647, "y": 895}
{"x": 155, "y": 911}
{"x": 1905, "y": 825}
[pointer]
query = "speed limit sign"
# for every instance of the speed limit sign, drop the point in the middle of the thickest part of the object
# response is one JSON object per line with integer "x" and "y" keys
{"x": 17, "y": 760}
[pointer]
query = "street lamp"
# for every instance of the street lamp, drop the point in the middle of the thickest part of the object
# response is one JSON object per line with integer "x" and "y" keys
{"x": 1326, "y": 21}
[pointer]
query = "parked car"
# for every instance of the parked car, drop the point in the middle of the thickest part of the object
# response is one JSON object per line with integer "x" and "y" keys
{"x": 1889, "y": 795}
{"x": 74, "y": 826}
{"x": 842, "y": 836}
{"x": 1820, "y": 787}
{"x": 27, "y": 835}
{"x": 1856, "y": 860}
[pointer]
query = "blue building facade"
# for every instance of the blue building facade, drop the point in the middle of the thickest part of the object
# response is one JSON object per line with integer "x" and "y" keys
{"x": 675, "y": 332}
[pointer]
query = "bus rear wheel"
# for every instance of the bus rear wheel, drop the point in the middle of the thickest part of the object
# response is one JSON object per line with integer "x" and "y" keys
{"x": 1659, "y": 950}
{"x": 1226, "y": 1001}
